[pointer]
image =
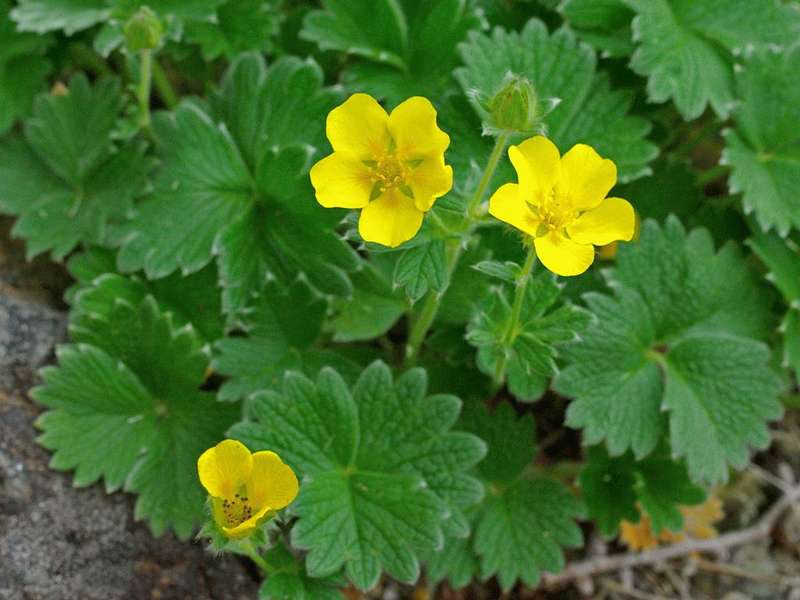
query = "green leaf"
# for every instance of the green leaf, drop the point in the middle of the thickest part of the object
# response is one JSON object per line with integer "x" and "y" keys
{"x": 674, "y": 295}
{"x": 240, "y": 25}
{"x": 530, "y": 354}
{"x": 409, "y": 46}
{"x": 289, "y": 580}
{"x": 68, "y": 182}
{"x": 282, "y": 322}
{"x": 589, "y": 111}
{"x": 129, "y": 410}
{"x": 23, "y": 69}
{"x": 422, "y": 268}
{"x": 241, "y": 189}
{"x": 613, "y": 485}
{"x": 685, "y": 46}
{"x": 603, "y": 24}
{"x": 455, "y": 562}
{"x": 41, "y": 16}
{"x": 189, "y": 300}
{"x": 374, "y": 307}
{"x": 764, "y": 151}
{"x": 523, "y": 521}
{"x": 381, "y": 468}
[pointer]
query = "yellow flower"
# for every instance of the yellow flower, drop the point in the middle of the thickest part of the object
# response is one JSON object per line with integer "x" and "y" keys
{"x": 245, "y": 488}
{"x": 390, "y": 166}
{"x": 561, "y": 202}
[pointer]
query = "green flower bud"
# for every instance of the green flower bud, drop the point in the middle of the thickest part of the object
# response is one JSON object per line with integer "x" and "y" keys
{"x": 516, "y": 106}
{"x": 143, "y": 31}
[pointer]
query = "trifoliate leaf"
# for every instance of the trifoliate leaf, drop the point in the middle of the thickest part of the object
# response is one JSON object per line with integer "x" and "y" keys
{"x": 381, "y": 469}
{"x": 612, "y": 487}
{"x": 23, "y": 69}
{"x": 603, "y": 24}
{"x": 523, "y": 521}
{"x": 675, "y": 298}
{"x": 529, "y": 351}
{"x": 281, "y": 322}
{"x": 289, "y": 581}
{"x": 589, "y": 111}
{"x": 764, "y": 150}
{"x": 130, "y": 411}
{"x": 241, "y": 189}
{"x": 422, "y": 268}
{"x": 374, "y": 307}
{"x": 67, "y": 181}
{"x": 240, "y": 25}
{"x": 409, "y": 46}
{"x": 684, "y": 47}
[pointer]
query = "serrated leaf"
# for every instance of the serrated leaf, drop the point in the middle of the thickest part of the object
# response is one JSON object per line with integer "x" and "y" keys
{"x": 764, "y": 151}
{"x": 508, "y": 271}
{"x": 288, "y": 580}
{"x": 409, "y": 46}
{"x": 684, "y": 47}
{"x": 530, "y": 354}
{"x": 422, "y": 268}
{"x": 381, "y": 468}
{"x": 239, "y": 26}
{"x": 41, "y": 16}
{"x": 613, "y": 485}
{"x": 130, "y": 411}
{"x": 280, "y": 324}
{"x": 67, "y": 181}
{"x": 674, "y": 294}
{"x": 455, "y": 562}
{"x": 603, "y": 24}
{"x": 560, "y": 67}
{"x": 241, "y": 189}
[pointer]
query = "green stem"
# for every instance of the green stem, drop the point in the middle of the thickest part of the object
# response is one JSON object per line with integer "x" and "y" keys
{"x": 163, "y": 86}
{"x": 143, "y": 90}
{"x": 712, "y": 174}
{"x": 247, "y": 547}
{"x": 84, "y": 56}
{"x": 420, "y": 327}
{"x": 711, "y": 128}
{"x": 516, "y": 311}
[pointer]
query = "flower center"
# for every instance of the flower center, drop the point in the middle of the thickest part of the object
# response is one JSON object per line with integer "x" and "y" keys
{"x": 236, "y": 511}
{"x": 389, "y": 172}
{"x": 555, "y": 212}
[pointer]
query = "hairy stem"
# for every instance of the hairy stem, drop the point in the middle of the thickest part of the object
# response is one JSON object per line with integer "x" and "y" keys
{"x": 143, "y": 90}
{"x": 516, "y": 311}
{"x": 420, "y": 327}
{"x": 163, "y": 86}
{"x": 249, "y": 549}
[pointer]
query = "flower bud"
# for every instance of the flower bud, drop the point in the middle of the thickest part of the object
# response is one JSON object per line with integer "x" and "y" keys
{"x": 143, "y": 31}
{"x": 515, "y": 106}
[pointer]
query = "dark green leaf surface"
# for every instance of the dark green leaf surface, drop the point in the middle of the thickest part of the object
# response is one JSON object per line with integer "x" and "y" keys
{"x": 381, "y": 469}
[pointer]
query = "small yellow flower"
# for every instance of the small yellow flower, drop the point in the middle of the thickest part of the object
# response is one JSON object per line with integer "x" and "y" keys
{"x": 561, "y": 202}
{"x": 390, "y": 166}
{"x": 698, "y": 523}
{"x": 245, "y": 488}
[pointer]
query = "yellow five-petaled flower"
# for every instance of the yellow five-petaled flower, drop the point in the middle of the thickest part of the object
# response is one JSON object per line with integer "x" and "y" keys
{"x": 245, "y": 489}
{"x": 561, "y": 203}
{"x": 389, "y": 165}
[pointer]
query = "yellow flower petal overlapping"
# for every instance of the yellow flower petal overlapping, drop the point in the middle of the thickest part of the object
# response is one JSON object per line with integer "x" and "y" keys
{"x": 560, "y": 201}
{"x": 391, "y": 166}
{"x": 245, "y": 489}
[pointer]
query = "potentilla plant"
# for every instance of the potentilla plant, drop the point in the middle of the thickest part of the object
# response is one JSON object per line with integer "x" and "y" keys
{"x": 330, "y": 287}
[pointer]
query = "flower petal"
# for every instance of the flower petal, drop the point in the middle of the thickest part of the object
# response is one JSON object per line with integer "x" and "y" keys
{"x": 429, "y": 181}
{"x": 613, "y": 220}
{"x": 272, "y": 483}
{"x": 563, "y": 256}
{"x": 341, "y": 180}
{"x": 586, "y": 177}
{"x": 358, "y": 126}
{"x": 390, "y": 220}
{"x": 225, "y": 468}
{"x": 507, "y": 204}
{"x": 536, "y": 161}
{"x": 413, "y": 127}
{"x": 247, "y": 527}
